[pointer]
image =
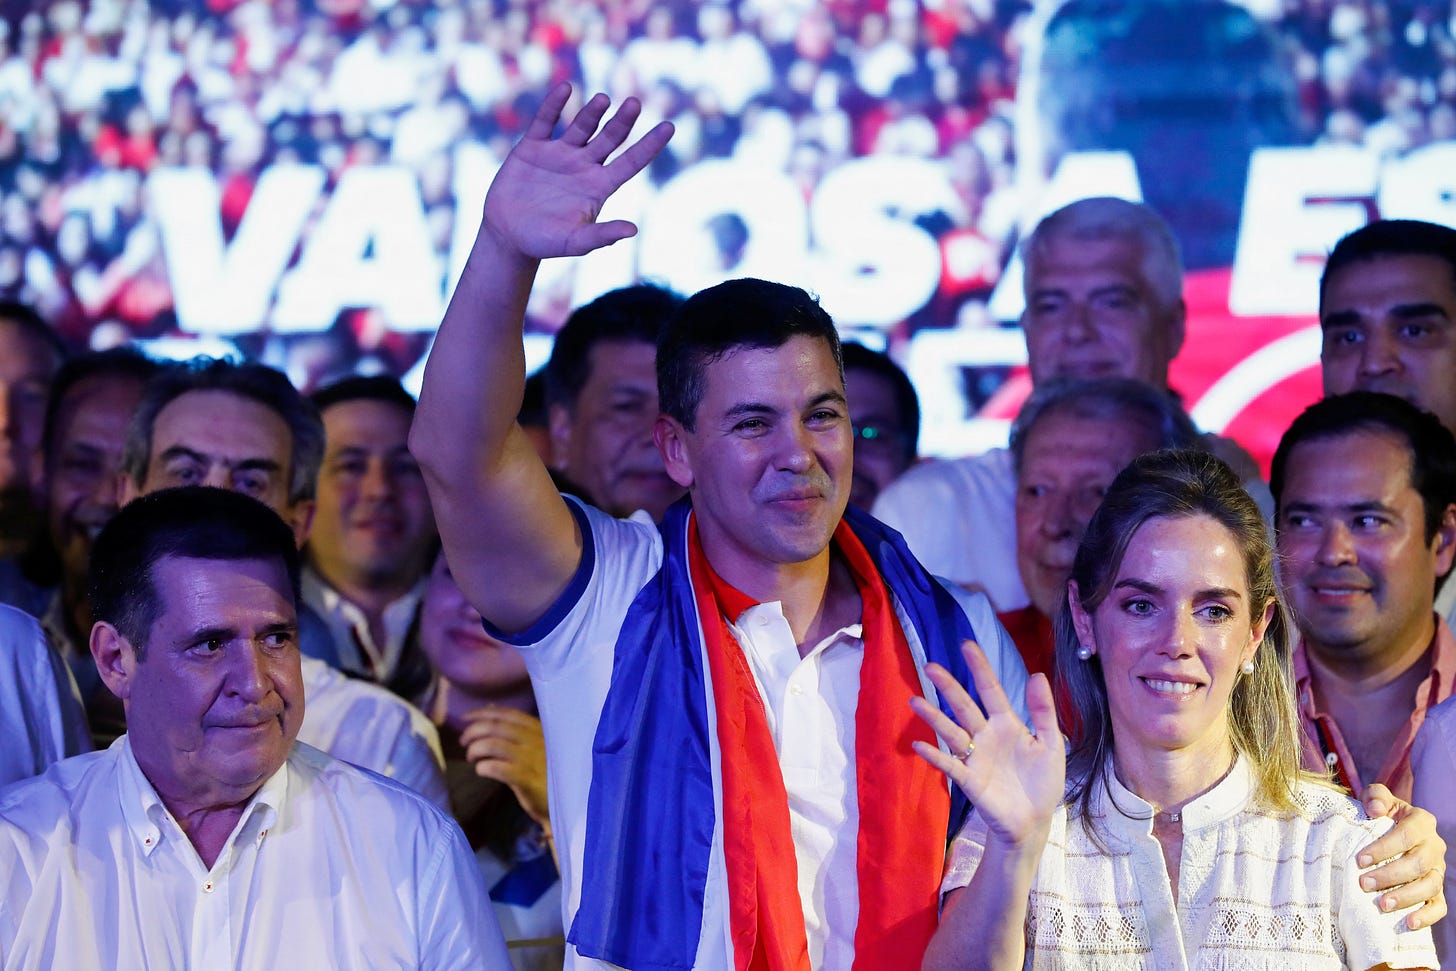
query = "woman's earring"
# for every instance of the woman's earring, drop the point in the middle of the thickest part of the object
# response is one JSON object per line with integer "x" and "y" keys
{"x": 1248, "y": 667}
{"x": 1084, "y": 653}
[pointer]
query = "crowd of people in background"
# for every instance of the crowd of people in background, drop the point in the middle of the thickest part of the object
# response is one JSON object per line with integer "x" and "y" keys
{"x": 492, "y": 600}
{"x": 94, "y": 97}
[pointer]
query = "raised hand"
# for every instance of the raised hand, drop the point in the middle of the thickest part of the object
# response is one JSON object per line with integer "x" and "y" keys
{"x": 507, "y": 745}
{"x": 546, "y": 197}
{"x": 1013, "y": 778}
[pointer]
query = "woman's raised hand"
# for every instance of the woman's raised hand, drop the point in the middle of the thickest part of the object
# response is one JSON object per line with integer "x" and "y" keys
{"x": 1014, "y": 778}
{"x": 546, "y": 197}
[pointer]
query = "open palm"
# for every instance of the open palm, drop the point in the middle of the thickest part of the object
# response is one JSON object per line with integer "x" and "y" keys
{"x": 547, "y": 196}
{"x": 1015, "y": 779}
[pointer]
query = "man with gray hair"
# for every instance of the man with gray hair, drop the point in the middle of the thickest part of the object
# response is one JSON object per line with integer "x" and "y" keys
{"x": 1069, "y": 442}
{"x": 245, "y": 428}
{"x": 1103, "y": 283}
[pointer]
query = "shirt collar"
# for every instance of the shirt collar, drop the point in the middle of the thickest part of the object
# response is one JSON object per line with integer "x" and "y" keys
{"x": 1128, "y": 816}
{"x": 345, "y": 619}
{"x": 145, "y": 814}
{"x": 1437, "y": 685}
{"x": 1443, "y": 662}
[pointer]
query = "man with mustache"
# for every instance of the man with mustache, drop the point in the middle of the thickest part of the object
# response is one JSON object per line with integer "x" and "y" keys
{"x": 601, "y": 399}
{"x": 205, "y": 837}
{"x": 1388, "y": 315}
{"x": 725, "y": 699}
{"x": 1365, "y": 486}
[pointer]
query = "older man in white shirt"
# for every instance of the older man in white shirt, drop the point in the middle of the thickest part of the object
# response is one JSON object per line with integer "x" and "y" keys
{"x": 206, "y": 836}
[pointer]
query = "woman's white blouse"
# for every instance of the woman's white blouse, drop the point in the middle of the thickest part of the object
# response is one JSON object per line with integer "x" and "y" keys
{"x": 1256, "y": 890}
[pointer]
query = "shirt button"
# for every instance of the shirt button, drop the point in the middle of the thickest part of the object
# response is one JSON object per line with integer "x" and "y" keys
{"x": 796, "y": 689}
{"x": 1331, "y": 760}
{"x": 207, "y": 887}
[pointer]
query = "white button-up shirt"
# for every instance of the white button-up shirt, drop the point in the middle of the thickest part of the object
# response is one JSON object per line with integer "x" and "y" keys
{"x": 328, "y": 867}
{"x": 1257, "y": 888}
{"x": 811, "y": 703}
{"x": 41, "y": 719}
{"x": 367, "y": 726}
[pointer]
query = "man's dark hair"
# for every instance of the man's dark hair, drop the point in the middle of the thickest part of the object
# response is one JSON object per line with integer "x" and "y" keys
{"x": 1391, "y": 237}
{"x": 246, "y": 379}
{"x": 907, "y": 403}
{"x": 32, "y": 324}
{"x": 629, "y": 315}
{"x": 196, "y": 522}
{"x": 1431, "y": 445}
{"x": 116, "y": 362}
{"x": 736, "y": 314}
{"x": 374, "y": 387}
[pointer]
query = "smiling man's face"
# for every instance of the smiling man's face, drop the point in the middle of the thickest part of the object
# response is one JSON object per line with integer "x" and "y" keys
{"x": 83, "y": 463}
{"x": 1355, "y": 563}
{"x": 1092, "y": 312}
{"x": 373, "y": 527}
{"x": 770, "y": 459}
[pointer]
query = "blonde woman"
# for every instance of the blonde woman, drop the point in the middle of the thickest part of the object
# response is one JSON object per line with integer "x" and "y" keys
{"x": 1180, "y": 832}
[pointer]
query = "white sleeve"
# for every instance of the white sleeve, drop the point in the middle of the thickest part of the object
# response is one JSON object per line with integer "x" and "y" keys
{"x": 416, "y": 760}
{"x": 965, "y": 854}
{"x": 958, "y": 518}
{"x": 1372, "y": 937}
{"x": 618, "y": 557}
{"x": 365, "y": 725}
{"x": 458, "y": 926}
{"x": 1433, "y": 763}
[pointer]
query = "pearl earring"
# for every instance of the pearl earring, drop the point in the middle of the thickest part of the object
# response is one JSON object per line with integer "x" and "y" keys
{"x": 1084, "y": 653}
{"x": 1248, "y": 667}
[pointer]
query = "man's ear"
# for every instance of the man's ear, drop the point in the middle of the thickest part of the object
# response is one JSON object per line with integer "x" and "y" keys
{"x": 671, "y": 443}
{"x": 126, "y": 489}
{"x": 1446, "y": 541}
{"x": 1178, "y": 329}
{"x": 559, "y": 424}
{"x": 300, "y": 518}
{"x": 115, "y": 658}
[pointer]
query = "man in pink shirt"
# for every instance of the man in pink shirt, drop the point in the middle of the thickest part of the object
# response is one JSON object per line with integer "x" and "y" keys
{"x": 1365, "y": 491}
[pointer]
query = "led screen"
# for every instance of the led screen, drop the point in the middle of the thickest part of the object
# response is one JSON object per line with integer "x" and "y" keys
{"x": 300, "y": 180}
